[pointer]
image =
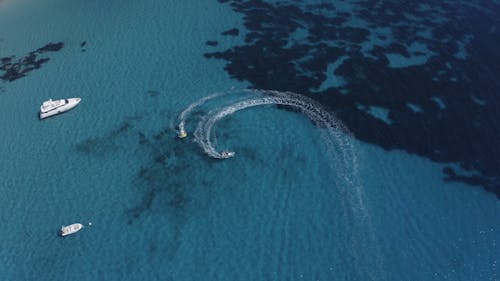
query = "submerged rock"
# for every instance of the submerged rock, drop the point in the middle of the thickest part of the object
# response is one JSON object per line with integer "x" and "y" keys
{"x": 15, "y": 69}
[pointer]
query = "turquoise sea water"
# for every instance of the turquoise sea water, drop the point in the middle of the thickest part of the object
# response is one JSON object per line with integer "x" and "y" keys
{"x": 289, "y": 206}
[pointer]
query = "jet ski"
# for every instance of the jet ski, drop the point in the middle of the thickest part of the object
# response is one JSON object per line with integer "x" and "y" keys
{"x": 226, "y": 154}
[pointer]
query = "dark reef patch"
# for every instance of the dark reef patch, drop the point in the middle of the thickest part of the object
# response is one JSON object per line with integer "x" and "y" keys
{"x": 158, "y": 191}
{"x": 427, "y": 50}
{"x": 153, "y": 93}
{"x": 96, "y": 146}
{"x": 211, "y": 43}
{"x": 51, "y": 47}
{"x": 103, "y": 145}
{"x": 231, "y": 32}
{"x": 14, "y": 69}
{"x": 155, "y": 180}
{"x": 82, "y": 46}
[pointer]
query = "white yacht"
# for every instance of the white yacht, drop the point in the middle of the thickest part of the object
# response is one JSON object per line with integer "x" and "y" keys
{"x": 226, "y": 154}
{"x": 53, "y": 107}
{"x": 70, "y": 229}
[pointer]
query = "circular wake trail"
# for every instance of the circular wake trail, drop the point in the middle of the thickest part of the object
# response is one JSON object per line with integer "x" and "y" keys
{"x": 186, "y": 112}
{"x": 340, "y": 149}
{"x": 337, "y": 138}
{"x": 310, "y": 108}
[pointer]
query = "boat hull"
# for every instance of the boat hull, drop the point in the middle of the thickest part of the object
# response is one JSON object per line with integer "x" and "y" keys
{"x": 70, "y": 229}
{"x": 227, "y": 154}
{"x": 72, "y": 102}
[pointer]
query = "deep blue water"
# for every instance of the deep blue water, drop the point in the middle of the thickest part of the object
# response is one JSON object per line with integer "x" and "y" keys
{"x": 399, "y": 181}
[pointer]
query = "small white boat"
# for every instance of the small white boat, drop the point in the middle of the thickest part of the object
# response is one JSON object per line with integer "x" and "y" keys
{"x": 70, "y": 229}
{"x": 53, "y": 107}
{"x": 226, "y": 154}
{"x": 182, "y": 133}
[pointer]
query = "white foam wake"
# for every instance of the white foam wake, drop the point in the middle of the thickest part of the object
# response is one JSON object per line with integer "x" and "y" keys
{"x": 338, "y": 140}
{"x": 187, "y": 112}
{"x": 310, "y": 108}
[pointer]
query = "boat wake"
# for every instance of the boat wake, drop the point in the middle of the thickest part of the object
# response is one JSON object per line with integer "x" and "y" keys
{"x": 337, "y": 138}
{"x": 340, "y": 151}
{"x": 187, "y": 112}
{"x": 310, "y": 108}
